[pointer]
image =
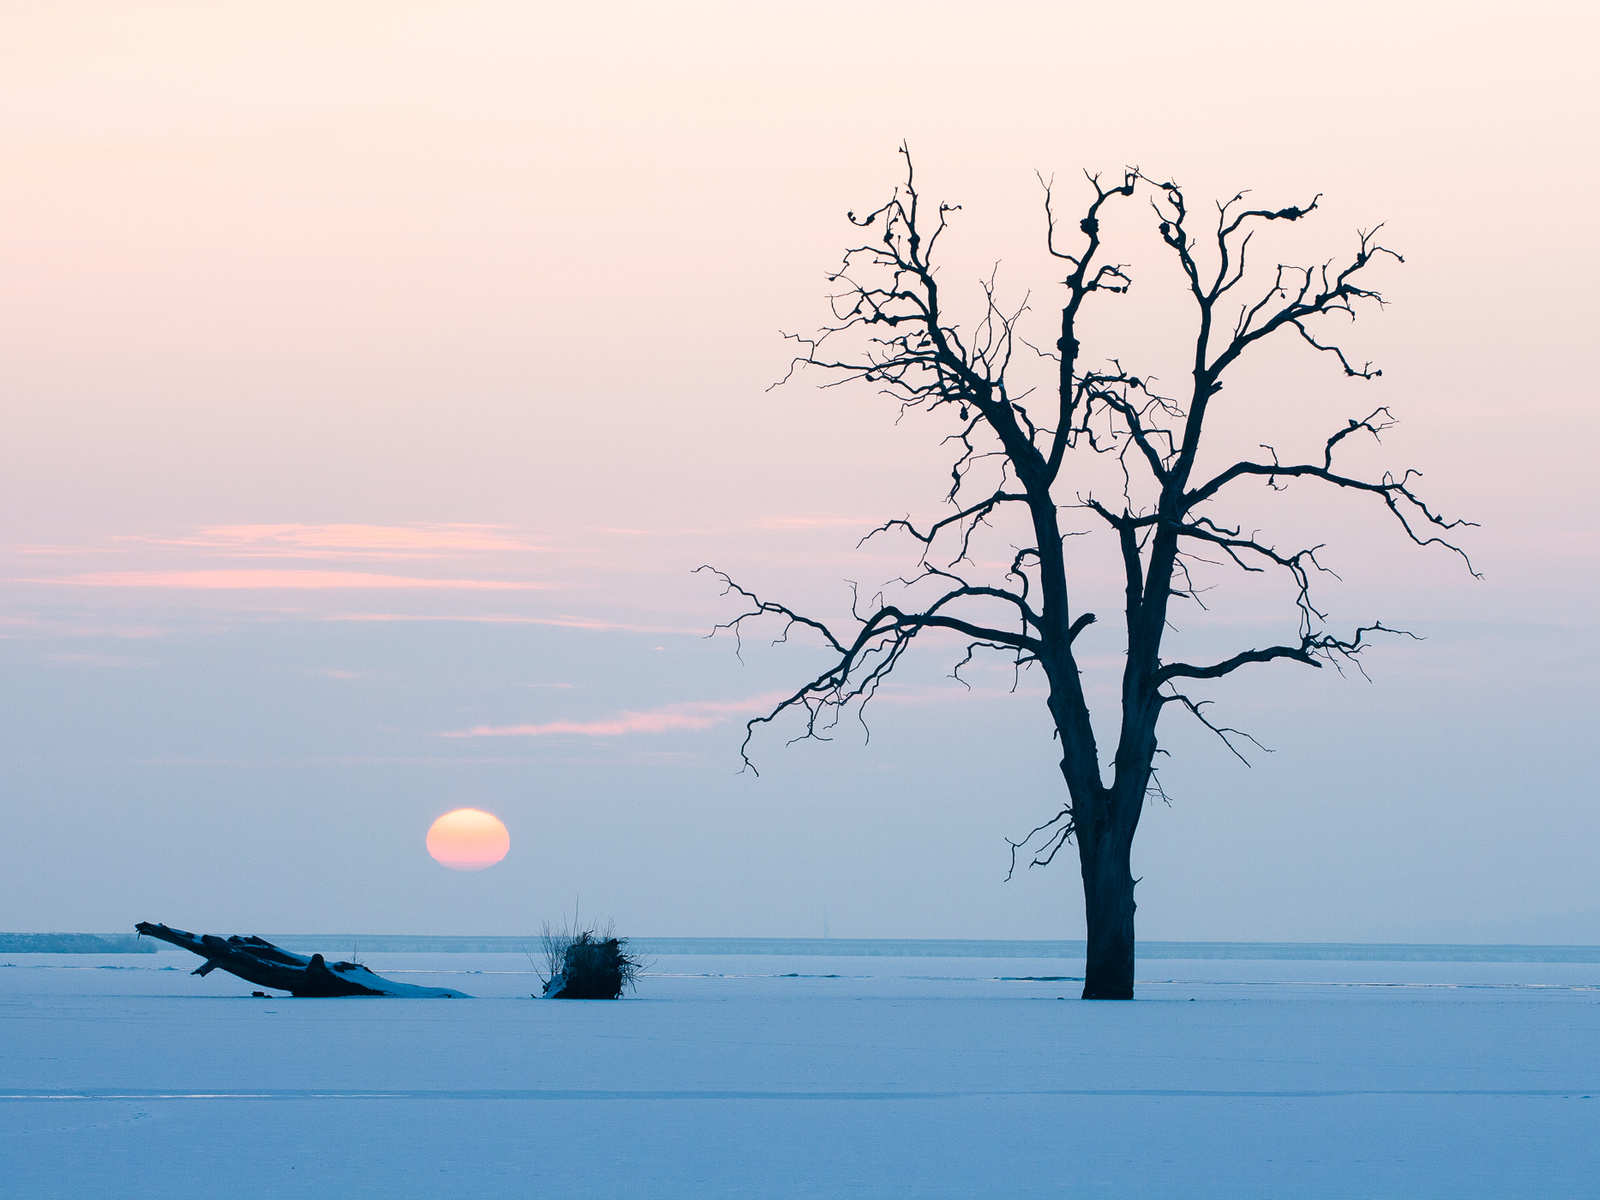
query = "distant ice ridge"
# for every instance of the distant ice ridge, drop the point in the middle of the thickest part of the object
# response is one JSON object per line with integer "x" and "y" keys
{"x": 73, "y": 943}
{"x": 964, "y": 948}
{"x": 402, "y": 943}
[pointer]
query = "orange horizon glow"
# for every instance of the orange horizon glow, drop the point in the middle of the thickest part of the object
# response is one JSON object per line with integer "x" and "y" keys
{"x": 468, "y": 839}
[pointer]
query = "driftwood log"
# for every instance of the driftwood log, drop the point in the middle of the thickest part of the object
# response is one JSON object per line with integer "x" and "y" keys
{"x": 260, "y": 962}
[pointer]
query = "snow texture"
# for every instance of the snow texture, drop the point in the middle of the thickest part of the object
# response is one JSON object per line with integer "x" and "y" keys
{"x": 806, "y": 1077}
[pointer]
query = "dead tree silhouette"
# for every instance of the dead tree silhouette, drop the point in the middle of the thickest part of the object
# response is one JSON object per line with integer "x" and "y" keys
{"x": 1008, "y": 459}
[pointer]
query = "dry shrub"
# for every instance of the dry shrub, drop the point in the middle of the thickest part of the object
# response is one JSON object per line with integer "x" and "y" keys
{"x": 583, "y": 964}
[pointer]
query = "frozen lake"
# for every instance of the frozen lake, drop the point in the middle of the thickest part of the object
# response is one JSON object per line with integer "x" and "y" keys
{"x": 805, "y": 1076}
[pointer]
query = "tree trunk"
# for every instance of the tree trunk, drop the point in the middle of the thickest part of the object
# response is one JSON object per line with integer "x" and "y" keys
{"x": 1104, "y": 854}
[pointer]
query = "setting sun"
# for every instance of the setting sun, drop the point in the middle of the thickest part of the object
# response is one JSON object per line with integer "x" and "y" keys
{"x": 468, "y": 839}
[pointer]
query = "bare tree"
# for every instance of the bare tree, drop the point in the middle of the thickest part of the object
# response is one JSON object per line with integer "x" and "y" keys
{"x": 1165, "y": 522}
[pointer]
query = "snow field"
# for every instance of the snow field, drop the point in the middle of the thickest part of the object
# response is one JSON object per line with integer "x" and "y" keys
{"x": 724, "y": 1077}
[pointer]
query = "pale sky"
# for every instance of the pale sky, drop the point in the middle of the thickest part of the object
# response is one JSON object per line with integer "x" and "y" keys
{"x": 374, "y": 375}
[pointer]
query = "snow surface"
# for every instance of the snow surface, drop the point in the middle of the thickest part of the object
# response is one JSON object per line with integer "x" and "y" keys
{"x": 805, "y": 1077}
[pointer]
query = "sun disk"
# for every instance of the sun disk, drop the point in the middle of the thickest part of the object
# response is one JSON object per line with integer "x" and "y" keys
{"x": 468, "y": 839}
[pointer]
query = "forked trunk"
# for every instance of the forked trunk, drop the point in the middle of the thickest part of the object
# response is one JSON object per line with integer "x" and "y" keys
{"x": 1104, "y": 855}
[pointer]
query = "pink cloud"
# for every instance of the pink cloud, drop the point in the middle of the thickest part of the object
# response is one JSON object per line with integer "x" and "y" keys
{"x": 628, "y": 722}
{"x": 699, "y": 714}
{"x": 590, "y": 623}
{"x": 237, "y": 579}
{"x": 782, "y": 523}
{"x": 60, "y": 551}
{"x": 321, "y": 541}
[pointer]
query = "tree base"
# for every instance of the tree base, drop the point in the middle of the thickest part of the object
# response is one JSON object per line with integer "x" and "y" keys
{"x": 1108, "y": 994}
